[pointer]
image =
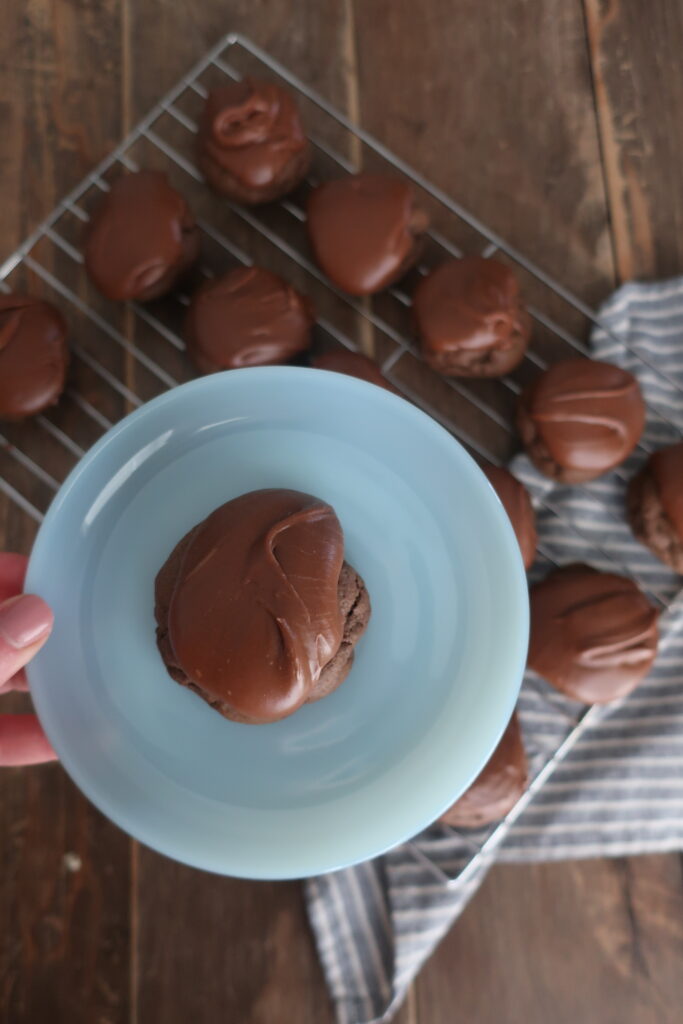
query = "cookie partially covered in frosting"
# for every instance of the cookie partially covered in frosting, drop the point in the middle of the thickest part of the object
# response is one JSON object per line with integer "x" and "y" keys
{"x": 34, "y": 356}
{"x": 497, "y": 788}
{"x": 247, "y": 317}
{"x": 580, "y": 418}
{"x": 365, "y": 230}
{"x": 142, "y": 237}
{"x": 593, "y": 634}
{"x": 251, "y": 146}
{"x": 353, "y": 364}
{"x": 517, "y": 503}
{"x": 469, "y": 318}
{"x": 257, "y": 611}
{"x": 655, "y": 505}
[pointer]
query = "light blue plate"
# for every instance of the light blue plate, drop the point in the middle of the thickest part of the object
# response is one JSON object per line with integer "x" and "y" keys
{"x": 435, "y": 678}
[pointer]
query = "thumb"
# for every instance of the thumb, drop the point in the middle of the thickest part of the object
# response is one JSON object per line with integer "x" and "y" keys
{"x": 25, "y": 624}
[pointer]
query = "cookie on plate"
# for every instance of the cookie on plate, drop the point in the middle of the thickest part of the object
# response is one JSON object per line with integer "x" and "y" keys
{"x": 257, "y": 611}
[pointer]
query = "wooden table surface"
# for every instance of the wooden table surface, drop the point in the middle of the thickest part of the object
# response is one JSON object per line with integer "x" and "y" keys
{"x": 560, "y": 123}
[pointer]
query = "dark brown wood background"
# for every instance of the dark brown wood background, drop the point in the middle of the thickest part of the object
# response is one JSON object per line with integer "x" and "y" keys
{"x": 560, "y": 122}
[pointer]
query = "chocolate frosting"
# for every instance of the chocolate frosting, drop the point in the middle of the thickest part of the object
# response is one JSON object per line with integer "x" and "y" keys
{"x": 469, "y": 317}
{"x": 247, "y": 317}
{"x": 365, "y": 230}
{"x": 585, "y": 416}
{"x": 498, "y": 786}
{"x": 666, "y": 468}
{"x": 33, "y": 356}
{"x": 251, "y": 142}
{"x": 517, "y": 504}
{"x": 254, "y": 617}
{"x": 593, "y": 634}
{"x": 654, "y": 505}
{"x": 355, "y": 364}
{"x": 141, "y": 238}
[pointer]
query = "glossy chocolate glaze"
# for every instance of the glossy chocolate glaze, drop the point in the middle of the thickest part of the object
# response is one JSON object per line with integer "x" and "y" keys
{"x": 469, "y": 318}
{"x": 34, "y": 356}
{"x": 593, "y": 634}
{"x": 666, "y": 469}
{"x": 365, "y": 230}
{"x": 251, "y": 145}
{"x": 517, "y": 504}
{"x": 581, "y": 418}
{"x": 655, "y": 505}
{"x": 498, "y": 786}
{"x": 141, "y": 238}
{"x": 254, "y": 614}
{"x": 247, "y": 317}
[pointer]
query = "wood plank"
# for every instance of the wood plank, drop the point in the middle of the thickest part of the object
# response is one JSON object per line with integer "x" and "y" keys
{"x": 636, "y": 55}
{"x": 215, "y": 948}
{"x": 64, "y": 888}
{"x": 595, "y": 941}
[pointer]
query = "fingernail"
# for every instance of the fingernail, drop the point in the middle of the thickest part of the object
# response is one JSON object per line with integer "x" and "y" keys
{"x": 24, "y": 620}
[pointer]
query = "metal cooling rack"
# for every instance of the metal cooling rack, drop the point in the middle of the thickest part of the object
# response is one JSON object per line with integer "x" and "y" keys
{"x": 123, "y": 355}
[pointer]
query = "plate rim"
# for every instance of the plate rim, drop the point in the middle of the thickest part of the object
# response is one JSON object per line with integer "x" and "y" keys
{"x": 181, "y": 393}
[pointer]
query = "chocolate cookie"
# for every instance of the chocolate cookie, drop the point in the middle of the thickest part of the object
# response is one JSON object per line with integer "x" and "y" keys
{"x": 256, "y": 610}
{"x": 469, "y": 318}
{"x": 593, "y": 634}
{"x": 141, "y": 238}
{"x": 580, "y": 419}
{"x": 517, "y": 503}
{"x": 655, "y": 505}
{"x": 34, "y": 356}
{"x": 366, "y": 230}
{"x": 497, "y": 788}
{"x": 250, "y": 145}
{"x": 247, "y": 317}
{"x": 354, "y": 605}
{"x": 354, "y": 364}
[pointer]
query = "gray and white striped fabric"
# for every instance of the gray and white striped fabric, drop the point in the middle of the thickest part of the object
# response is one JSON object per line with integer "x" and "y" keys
{"x": 618, "y": 789}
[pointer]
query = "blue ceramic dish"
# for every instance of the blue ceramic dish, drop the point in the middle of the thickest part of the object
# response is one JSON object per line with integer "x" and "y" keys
{"x": 435, "y": 678}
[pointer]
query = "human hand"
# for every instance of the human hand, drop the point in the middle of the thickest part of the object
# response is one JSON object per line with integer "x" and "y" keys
{"x": 25, "y": 624}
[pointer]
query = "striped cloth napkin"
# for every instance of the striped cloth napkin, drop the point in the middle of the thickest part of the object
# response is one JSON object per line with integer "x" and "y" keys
{"x": 617, "y": 790}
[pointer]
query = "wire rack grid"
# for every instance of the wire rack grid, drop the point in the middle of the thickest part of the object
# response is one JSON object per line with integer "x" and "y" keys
{"x": 124, "y": 355}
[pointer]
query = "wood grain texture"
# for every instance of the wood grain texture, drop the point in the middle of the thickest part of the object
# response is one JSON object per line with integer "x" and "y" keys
{"x": 498, "y": 106}
{"x": 636, "y": 61}
{"x": 65, "y": 882}
{"x": 593, "y": 941}
{"x": 218, "y": 949}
